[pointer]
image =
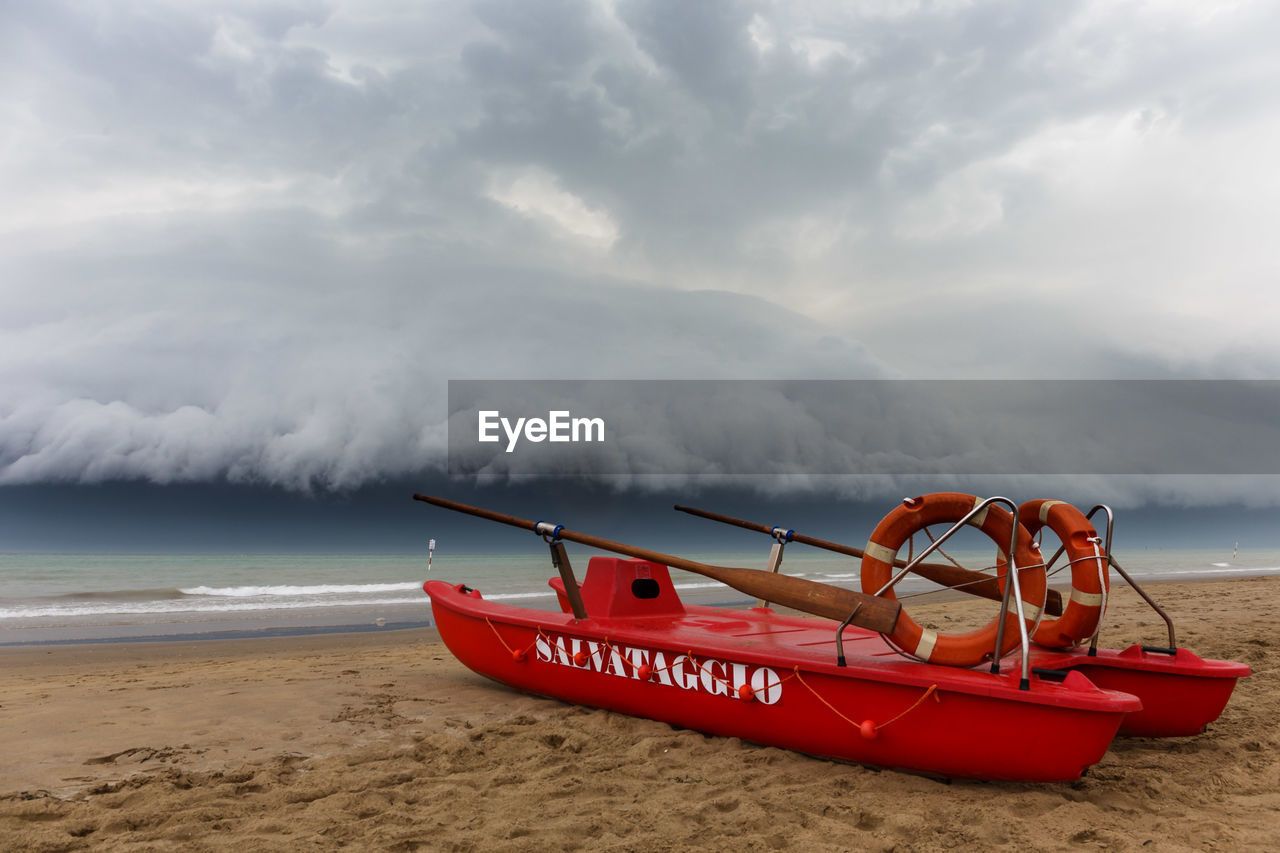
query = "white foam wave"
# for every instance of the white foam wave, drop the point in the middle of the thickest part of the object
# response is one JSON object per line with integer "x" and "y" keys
{"x": 179, "y": 606}
{"x": 508, "y": 596}
{"x": 295, "y": 591}
{"x": 1232, "y": 571}
{"x": 257, "y": 599}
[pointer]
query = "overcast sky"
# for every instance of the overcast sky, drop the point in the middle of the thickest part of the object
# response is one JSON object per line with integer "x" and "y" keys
{"x": 252, "y": 241}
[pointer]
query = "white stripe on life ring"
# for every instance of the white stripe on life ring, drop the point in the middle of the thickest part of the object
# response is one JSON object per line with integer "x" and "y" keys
{"x": 1088, "y": 599}
{"x": 1044, "y": 510}
{"x": 981, "y": 518}
{"x": 883, "y": 553}
{"x": 928, "y": 639}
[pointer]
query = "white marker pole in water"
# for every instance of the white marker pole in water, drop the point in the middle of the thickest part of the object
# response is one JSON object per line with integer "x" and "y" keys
{"x": 431, "y": 547}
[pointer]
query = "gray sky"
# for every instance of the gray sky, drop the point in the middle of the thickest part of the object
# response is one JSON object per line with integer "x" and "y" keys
{"x": 252, "y": 240}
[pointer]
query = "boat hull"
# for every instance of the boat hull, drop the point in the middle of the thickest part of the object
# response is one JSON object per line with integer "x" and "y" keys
{"x": 773, "y": 679}
{"x": 1181, "y": 693}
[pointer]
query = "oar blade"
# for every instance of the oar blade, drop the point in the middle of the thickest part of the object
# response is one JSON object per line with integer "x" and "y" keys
{"x": 818, "y": 599}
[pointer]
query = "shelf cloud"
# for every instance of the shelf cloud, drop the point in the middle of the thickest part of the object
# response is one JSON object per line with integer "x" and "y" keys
{"x": 253, "y": 241}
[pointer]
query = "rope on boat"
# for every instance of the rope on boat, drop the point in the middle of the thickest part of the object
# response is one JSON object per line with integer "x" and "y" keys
{"x": 820, "y": 698}
{"x": 702, "y": 668}
{"x": 744, "y": 691}
{"x": 932, "y": 691}
{"x": 985, "y": 577}
{"x": 867, "y": 728}
{"x": 641, "y": 672}
{"x": 950, "y": 559}
{"x": 516, "y": 654}
{"x": 645, "y": 672}
{"x": 563, "y": 650}
{"x": 1088, "y": 558}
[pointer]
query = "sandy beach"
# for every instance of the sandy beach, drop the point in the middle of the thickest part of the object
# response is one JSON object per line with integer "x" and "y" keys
{"x": 384, "y": 741}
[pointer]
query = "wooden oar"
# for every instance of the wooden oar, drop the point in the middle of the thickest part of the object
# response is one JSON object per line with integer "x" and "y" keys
{"x": 820, "y": 599}
{"x": 964, "y": 580}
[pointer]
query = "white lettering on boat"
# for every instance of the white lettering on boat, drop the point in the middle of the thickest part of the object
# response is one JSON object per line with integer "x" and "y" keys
{"x": 559, "y": 426}
{"x": 707, "y": 675}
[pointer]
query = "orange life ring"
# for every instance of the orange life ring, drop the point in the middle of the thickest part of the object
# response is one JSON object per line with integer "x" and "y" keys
{"x": 913, "y": 516}
{"x": 1090, "y": 580}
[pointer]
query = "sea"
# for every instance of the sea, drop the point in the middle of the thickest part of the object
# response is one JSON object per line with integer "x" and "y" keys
{"x": 79, "y": 598}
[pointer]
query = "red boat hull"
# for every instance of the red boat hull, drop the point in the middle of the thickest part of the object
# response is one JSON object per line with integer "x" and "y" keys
{"x": 773, "y": 679}
{"x": 1181, "y": 693}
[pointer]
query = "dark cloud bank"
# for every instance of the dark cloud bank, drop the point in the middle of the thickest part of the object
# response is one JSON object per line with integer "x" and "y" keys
{"x": 382, "y": 518}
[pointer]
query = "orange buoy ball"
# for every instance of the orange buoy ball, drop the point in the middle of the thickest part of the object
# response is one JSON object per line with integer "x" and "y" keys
{"x": 644, "y": 672}
{"x": 867, "y": 730}
{"x": 745, "y": 692}
{"x": 518, "y": 655}
{"x": 580, "y": 658}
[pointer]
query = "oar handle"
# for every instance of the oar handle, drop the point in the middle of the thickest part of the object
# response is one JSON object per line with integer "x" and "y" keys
{"x": 728, "y": 519}
{"x": 819, "y": 599}
{"x": 479, "y": 512}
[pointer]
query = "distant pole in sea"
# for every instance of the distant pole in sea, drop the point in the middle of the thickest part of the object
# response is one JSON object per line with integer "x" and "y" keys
{"x": 431, "y": 547}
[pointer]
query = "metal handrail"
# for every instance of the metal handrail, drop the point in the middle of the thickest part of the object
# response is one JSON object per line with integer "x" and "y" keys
{"x": 1093, "y": 643}
{"x": 1015, "y": 586}
{"x": 1103, "y": 585}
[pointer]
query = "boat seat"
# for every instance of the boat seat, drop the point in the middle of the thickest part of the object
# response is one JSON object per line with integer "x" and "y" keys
{"x": 617, "y": 588}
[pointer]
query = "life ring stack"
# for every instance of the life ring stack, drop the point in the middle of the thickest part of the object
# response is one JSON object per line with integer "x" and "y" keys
{"x": 1083, "y": 547}
{"x": 1090, "y": 580}
{"x": 972, "y": 647}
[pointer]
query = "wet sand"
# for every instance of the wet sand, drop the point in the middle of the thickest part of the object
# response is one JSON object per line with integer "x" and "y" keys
{"x": 384, "y": 741}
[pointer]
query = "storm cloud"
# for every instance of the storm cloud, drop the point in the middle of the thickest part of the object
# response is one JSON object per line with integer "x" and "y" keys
{"x": 253, "y": 241}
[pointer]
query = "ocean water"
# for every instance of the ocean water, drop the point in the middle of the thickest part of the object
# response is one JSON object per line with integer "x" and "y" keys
{"x": 81, "y": 597}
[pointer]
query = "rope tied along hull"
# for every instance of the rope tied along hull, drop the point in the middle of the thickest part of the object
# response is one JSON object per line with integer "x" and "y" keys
{"x": 684, "y": 670}
{"x": 961, "y": 649}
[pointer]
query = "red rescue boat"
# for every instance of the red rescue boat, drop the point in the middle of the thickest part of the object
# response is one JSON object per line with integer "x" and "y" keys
{"x": 879, "y": 689}
{"x": 774, "y": 679}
